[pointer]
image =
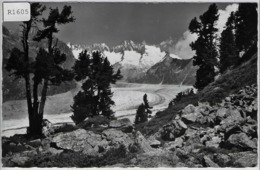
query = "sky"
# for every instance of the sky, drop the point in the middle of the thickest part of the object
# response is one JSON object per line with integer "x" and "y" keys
{"x": 112, "y": 23}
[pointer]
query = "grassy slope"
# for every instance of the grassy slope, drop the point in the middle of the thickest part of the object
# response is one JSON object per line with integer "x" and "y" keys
{"x": 228, "y": 83}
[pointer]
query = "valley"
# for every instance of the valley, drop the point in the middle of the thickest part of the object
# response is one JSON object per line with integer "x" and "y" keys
{"x": 127, "y": 97}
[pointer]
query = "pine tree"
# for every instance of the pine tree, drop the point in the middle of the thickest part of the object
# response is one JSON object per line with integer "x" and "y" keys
{"x": 143, "y": 111}
{"x": 96, "y": 95}
{"x": 246, "y": 28}
{"x": 205, "y": 46}
{"x": 21, "y": 67}
{"x": 228, "y": 50}
{"x": 140, "y": 114}
{"x": 48, "y": 65}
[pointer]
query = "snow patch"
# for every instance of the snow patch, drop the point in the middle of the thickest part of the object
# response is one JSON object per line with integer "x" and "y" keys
{"x": 152, "y": 55}
{"x": 175, "y": 56}
{"x": 131, "y": 57}
{"x": 113, "y": 57}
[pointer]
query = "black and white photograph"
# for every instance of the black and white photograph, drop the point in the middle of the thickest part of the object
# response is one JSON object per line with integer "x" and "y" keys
{"x": 126, "y": 84}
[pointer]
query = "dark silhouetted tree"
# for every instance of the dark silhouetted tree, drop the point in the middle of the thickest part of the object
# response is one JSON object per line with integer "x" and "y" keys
{"x": 205, "y": 46}
{"x": 246, "y": 27}
{"x": 227, "y": 49}
{"x": 143, "y": 111}
{"x": 95, "y": 97}
{"x": 20, "y": 65}
{"x": 47, "y": 66}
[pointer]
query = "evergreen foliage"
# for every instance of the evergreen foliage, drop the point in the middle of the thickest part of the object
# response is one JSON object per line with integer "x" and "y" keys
{"x": 47, "y": 66}
{"x": 96, "y": 94}
{"x": 143, "y": 111}
{"x": 205, "y": 46}
{"x": 228, "y": 50}
{"x": 246, "y": 28}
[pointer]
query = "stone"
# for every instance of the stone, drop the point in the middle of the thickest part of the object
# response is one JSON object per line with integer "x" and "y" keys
{"x": 124, "y": 125}
{"x": 177, "y": 143}
{"x": 244, "y": 159}
{"x": 222, "y": 159}
{"x": 221, "y": 112}
{"x": 182, "y": 124}
{"x": 180, "y": 164}
{"x": 214, "y": 142}
{"x": 142, "y": 143}
{"x": 76, "y": 141}
{"x": 19, "y": 160}
{"x": 189, "y": 117}
{"x": 47, "y": 128}
{"x": 233, "y": 115}
{"x": 209, "y": 162}
{"x": 35, "y": 143}
{"x": 228, "y": 99}
{"x": 242, "y": 140}
{"x": 117, "y": 137}
{"x": 95, "y": 121}
{"x": 54, "y": 151}
{"x": 157, "y": 158}
{"x": 189, "y": 109}
{"x": 172, "y": 130}
{"x": 154, "y": 143}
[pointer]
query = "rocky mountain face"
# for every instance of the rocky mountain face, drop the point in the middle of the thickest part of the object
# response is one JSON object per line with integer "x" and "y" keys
{"x": 220, "y": 135}
{"x": 14, "y": 91}
{"x": 170, "y": 71}
{"x": 143, "y": 63}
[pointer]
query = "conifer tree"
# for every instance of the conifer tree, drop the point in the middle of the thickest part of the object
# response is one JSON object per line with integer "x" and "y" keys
{"x": 47, "y": 65}
{"x": 96, "y": 95}
{"x": 228, "y": 50}
{"x": 21, "y": 67}
{"x": 143, "y": 111}
{"x": 205, "y": 46}
{"x": 246, "y": 27}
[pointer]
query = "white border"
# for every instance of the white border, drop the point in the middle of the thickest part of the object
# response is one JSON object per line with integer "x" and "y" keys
{"x": 139, "y": 1}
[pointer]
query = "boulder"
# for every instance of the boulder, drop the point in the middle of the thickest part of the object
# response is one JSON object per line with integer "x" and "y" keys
{"x": 177, "y": 143}
{"x": 157, "y": 158}
{"x": 204, "y": 108}
{"x": 244, "y": 159}
{"x": 233, "y": 115}
{"x": 124, "y": 125}
{"x": 221, "y": 112}
{"x": 154, "y": 143}
{"x": 188, "y": 109}
{"x": 79, "y": 141}
{"x": 242, "y": 140}
{"x": 214, "y": 142}
{"x": 222, "y": 159}
{"x": 209, "y": 162}
{"x": 142, "y": 143}
{"x": 173, "y": 130}
{"x": 117, "y": 137}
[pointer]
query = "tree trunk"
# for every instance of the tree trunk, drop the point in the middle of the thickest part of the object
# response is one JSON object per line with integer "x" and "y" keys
{"x": 43, "y": 98}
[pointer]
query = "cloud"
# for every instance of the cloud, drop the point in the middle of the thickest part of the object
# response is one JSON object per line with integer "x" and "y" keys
{"x": 182, "y": 47}
{"x": 223, "y": 16}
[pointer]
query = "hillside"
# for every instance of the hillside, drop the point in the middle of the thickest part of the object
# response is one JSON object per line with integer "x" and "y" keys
{"x": 191, "y": 132}
{"x": 13, "y": 91}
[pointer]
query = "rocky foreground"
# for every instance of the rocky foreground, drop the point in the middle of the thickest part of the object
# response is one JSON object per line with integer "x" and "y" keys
{"x": 222, "y": 135}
